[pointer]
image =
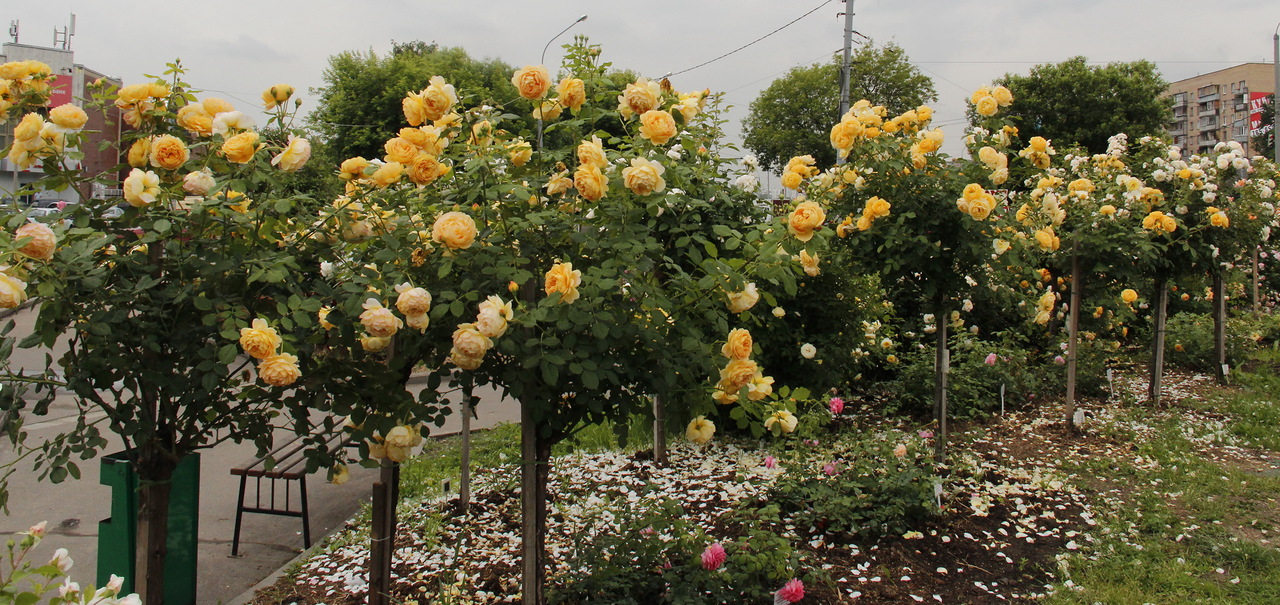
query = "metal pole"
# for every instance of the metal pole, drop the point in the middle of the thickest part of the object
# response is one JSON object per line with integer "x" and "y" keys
{"x": 1275, "y": 105}
{"x": 845, "y": 66}
{"x": 542, "y": 60}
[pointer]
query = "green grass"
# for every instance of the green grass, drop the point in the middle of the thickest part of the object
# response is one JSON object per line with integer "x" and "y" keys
{"x": 1189, "y": 516}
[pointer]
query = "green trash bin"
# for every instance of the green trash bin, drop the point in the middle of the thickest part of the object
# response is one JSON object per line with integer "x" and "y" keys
{"x": 118, "y": 534}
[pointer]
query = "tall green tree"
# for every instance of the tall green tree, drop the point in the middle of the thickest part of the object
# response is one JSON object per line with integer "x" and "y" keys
{"x": 360, "y": 101}
{"x": 793, "y": 116}
{"x": 1074, "y": 103}
{"x": 1264, "y": 144}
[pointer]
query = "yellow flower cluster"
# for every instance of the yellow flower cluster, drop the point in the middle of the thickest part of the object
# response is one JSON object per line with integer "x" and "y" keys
{"x": 1047, "y": 239}
{"x": 798, "y": 169}
{"x": 431, "y": 104}
{"x": 23, "y": 82}
{"x": 414, "y": 303}
{"x": 927, "y": 142}
{"x": 1037, "y": 152}
{"x": 397, "y": 445}
{"x": 1217, "y": 217}
{"x": 589, "y": 179}
{"x": 472, "y": 340}
{"x": 996, "y": 162}
{"x": 260, "y": 341}
{"x": 1044, "y": 307}
{"x": 138, "y": 100}
{"x": 875, "y": 208}
{"x": 987, "y": 100}
{"x": 34, "y": 138}
{"x": 741, "y": 371}
{"x": 976, "y": 202}
{"x": 1159, "y": 221}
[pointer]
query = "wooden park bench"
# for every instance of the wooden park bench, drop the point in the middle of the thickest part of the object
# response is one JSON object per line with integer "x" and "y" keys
{"x": 290, "y": 466}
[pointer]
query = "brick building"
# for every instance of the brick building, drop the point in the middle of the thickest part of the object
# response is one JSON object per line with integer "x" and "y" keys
{"x": 70, "y": 79}
{"x": 1214, "y": 107}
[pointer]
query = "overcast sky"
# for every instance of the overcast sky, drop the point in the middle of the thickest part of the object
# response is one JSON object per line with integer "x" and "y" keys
{"x": 236, "y": 49}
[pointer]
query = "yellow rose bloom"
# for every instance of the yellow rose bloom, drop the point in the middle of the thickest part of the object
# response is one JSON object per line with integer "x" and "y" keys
{"x": 1047, "y": 239}
{"x": 279, "y": 370}
{"x": 737, "y": 374}
{"x": 805, "y": 219}
{"x": 559, "y": 184}
{"x": 571, "y": 93}
{"x": 987, "y": 106}
{"x": 240, "y": 148}
{"x": 456, "y": 230}
{"x": 638, "y": 98}
{"x": 43, "y": 240}
{"x": 1107, "y": 210}
{"x": 469, "y": 342}
{"x": 644, "y": 177}
{"x": 195, "y": 119}
{"x": 876, "y": 208}
{"x": 425, "y": 168}
{"x": 657, "y": 126}
{"x": 791, "y": 180}
{"x": 591, "y": 153}
{"x": 1219, "y": 219}
{"x": 845, "y": 134}
{"x": 378, "y": 320}
{"x": 785, "y": 420}
{"x": 520, "y": 153}
{"x": 388, "y": 174}
{"x": 591, "y": 183}
{"x": 214, "y": 106}
{"x": 437, "y": 99}
{"x": 809, "y": 263}
{"x": 738, "y": 345}
{"x": 1128, "y": 296}
{"x": 13, "y": 291}
{"x": 412, "y": 300}
{"x": 739, "y": 302}
{"x": 261, "y": 340}
{"x": 141, "y": 188}
{"x": 562, "y": 279}
{"x": 400, "y": 149}
{"x": 700, "y": 430}
{"x": 1002, "y": 96}
{"x": 352, "y": 168}
{"x": 493, "y": 315}
{"x": 276, "y": 95}
{"x": 294, "y": 155}
{"x": 68, "y": 116}
{"x": 531, "y": 81}
{"x": 323, "y": 316}
{"x": 168, "y": 152}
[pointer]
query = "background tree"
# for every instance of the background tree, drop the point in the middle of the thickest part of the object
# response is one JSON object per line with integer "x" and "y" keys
{"x": 1074, "y": 103}
{"x": 793, "y": 116}
{"x": 1264, "y": 144}
{"x": 360, "y": 101}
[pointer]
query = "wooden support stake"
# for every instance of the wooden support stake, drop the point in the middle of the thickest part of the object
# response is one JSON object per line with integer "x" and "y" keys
{"x": 1157, "y": 357}
{"x": 1073, "y": 336}
{"x": 659, "y": 432}
{"x": 1219, "y": 327}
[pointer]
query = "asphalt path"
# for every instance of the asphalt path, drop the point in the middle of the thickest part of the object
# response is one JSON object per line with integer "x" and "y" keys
{"x": 73, "y": 508}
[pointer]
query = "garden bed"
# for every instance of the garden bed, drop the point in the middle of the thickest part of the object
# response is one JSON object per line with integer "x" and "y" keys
{"x": 1016, "y": 511}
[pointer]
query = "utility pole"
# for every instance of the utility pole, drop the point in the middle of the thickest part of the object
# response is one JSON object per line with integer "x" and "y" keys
{"x": 845, "y": 66}
{"x": 1275, "y": 104}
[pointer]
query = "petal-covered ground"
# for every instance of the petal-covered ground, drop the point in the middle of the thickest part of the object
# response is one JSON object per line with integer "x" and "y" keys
{"x": 1015, "y": 508}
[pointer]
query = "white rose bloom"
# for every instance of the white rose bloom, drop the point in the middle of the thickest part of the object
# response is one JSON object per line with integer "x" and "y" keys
{"x": 808, "y": 351}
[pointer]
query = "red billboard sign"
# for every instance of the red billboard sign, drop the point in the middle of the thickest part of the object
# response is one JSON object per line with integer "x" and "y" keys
{"x": 1256, "y": 101}
{"x": 61, "y": 93}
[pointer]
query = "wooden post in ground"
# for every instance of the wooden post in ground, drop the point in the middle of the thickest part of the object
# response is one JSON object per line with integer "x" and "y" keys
{"x": 941, "y": 363}
{"x": 464, "y": 483}
{"x": 535, "y": 465}
{"x": 1219, "y": 327}
{"x": 1073, "y": 335}
{"x": 1256, "y": 279}
{"x": 659, "y": 432}
{"x": 382, "y": 532}
{"x": 1157, "y": 353}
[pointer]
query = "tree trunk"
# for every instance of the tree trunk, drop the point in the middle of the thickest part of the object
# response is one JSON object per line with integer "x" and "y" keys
{"x": 1073, "y": 335}
{"x": 1219, "y": 327}
{"x": 464, "y": 484}
{"x": 941, "y": 366}
{"x": 1157, "y": 357}
{"x": 659, "y": 432}
{"x": 535, "y": 466}
{"x": 155, "y": 475}
{"x": 382, "y": 532}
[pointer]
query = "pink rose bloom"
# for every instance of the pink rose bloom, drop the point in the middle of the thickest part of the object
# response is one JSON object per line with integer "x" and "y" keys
{"x": 1059, "y": 360}
{"x": 925, "y": 434}
{"x": 713, "y": 557}
{"x": 836, "y": 405}
{"x": 830, "y": 469}
{"x": 770, "y": 462}
{"x": 791, "y": 593}
{"x": 991, "y": 359}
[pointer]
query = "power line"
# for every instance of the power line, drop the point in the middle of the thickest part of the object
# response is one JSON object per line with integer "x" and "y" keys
{"x": 792, "y": 22}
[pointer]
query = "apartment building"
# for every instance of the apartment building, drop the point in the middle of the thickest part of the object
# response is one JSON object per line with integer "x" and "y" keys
{"x": 1215, "y": 107}
{"x": 70, "y": 79}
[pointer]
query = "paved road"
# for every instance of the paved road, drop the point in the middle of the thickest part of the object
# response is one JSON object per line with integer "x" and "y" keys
{"x": 74, "y": 508}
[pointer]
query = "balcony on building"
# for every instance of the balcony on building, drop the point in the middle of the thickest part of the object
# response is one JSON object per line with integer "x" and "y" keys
{"x": 1209, "y": 122}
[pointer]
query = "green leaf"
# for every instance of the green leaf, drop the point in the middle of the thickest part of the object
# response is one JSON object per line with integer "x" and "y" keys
{"x": 162, "y": 226}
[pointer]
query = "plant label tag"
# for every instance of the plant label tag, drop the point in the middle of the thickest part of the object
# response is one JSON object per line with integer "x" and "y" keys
{"x": 1077, "y": 418}
{"x": 1002, "y": 399}
{"x": 1226, "y": 369}
{"x": 937, "y": 494}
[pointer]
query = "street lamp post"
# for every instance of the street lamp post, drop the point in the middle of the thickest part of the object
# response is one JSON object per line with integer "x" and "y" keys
{"x": 1275, "y": 94}
{"x": 542, "y": 60}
